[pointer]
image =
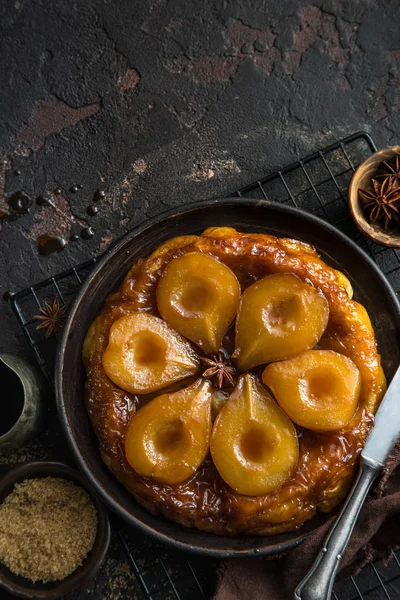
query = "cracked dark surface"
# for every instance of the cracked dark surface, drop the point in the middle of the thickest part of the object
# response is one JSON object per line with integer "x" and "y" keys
{"x": 161, "y": 103}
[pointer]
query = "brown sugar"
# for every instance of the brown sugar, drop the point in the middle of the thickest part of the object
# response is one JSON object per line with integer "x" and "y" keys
{"x": 47, "y": 528}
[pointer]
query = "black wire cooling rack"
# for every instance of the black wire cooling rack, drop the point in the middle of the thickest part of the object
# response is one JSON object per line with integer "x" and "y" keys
{"x": 317, "y": 184}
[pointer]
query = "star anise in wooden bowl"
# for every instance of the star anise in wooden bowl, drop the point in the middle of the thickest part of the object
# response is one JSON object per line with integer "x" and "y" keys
{"x": 382, "y": 202}
{"x": 374, "y": 197}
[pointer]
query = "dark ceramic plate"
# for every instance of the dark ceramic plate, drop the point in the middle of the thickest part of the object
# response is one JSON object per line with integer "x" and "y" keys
{"x": 370, "y": 288}
{"x": 23, "y": 588}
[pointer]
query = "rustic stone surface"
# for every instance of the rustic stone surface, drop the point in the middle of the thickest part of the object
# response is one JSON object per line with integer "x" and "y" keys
{"x": 160, "y": 103}
{"x": 128, "y": 80}
{"x": 52, "y": 116}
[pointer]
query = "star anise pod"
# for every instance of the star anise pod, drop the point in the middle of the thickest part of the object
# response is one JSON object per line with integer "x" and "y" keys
{"x": 382, "y": 201}
{"x": 393, "y": 171}
{"x": 218, "y": 369}
{"x": 51, "y": 317}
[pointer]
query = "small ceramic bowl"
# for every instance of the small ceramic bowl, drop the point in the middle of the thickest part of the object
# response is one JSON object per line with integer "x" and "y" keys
{"x": 361, "y": 180}
{"x": 22, "y": 587}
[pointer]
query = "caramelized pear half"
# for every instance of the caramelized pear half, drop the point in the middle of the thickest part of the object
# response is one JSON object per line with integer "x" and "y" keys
{"x": 254, "y": 445}
{"x": 319, "y": 389}
{"x": 198, "y": 296}
{"x": 144, "y": 355}
{"x": 279, "y": 317}
{"x": 169, "y": 437}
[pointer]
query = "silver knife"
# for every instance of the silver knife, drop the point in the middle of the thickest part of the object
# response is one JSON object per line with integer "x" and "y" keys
{"x": 318, "y": 583}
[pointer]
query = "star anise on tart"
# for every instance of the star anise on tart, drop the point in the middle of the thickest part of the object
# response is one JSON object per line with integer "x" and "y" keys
{"x": 218, "y": 369}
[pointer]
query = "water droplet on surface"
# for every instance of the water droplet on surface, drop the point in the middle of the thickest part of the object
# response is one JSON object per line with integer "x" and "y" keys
{"x": 50, "y": 243}
{"x": 17, "y": 172}
{"x": 57, "y": 191}
{"x": 99, "y": 195}
{"x": 74, "y": 237}
{"x": 20, "y": 203}
{"x": 73, "y": 189}
{"x": 44, "y": 201}
{"x": 92, "y": 210}
{"x": 87, "y": 233}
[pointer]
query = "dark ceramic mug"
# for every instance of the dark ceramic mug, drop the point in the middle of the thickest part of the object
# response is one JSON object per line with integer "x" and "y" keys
{"x": 21, "y": 402}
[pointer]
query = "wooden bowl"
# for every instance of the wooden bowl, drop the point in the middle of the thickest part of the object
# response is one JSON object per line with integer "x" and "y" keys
{"x": 245, "y": 214}
{"x": 20, "y": 586}
{"x": 362, "y": 180}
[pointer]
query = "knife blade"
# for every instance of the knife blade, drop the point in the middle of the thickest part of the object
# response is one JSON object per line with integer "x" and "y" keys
{"x": 386, "y": 429}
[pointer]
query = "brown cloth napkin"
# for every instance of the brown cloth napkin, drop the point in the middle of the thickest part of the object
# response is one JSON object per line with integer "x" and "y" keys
{"x": 377, "y": 532}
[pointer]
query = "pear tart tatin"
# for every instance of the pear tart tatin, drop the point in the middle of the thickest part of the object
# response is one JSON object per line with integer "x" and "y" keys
{"x": 232, "y": 382}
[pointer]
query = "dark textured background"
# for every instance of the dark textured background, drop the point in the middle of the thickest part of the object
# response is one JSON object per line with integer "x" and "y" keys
{"x": 159, "y": 103}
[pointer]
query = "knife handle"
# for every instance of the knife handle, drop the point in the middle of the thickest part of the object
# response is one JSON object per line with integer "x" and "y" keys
{"x": 318, "y": 583}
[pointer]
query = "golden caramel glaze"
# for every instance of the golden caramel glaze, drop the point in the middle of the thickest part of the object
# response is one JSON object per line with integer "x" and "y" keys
{"x": 326, "y": 460}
